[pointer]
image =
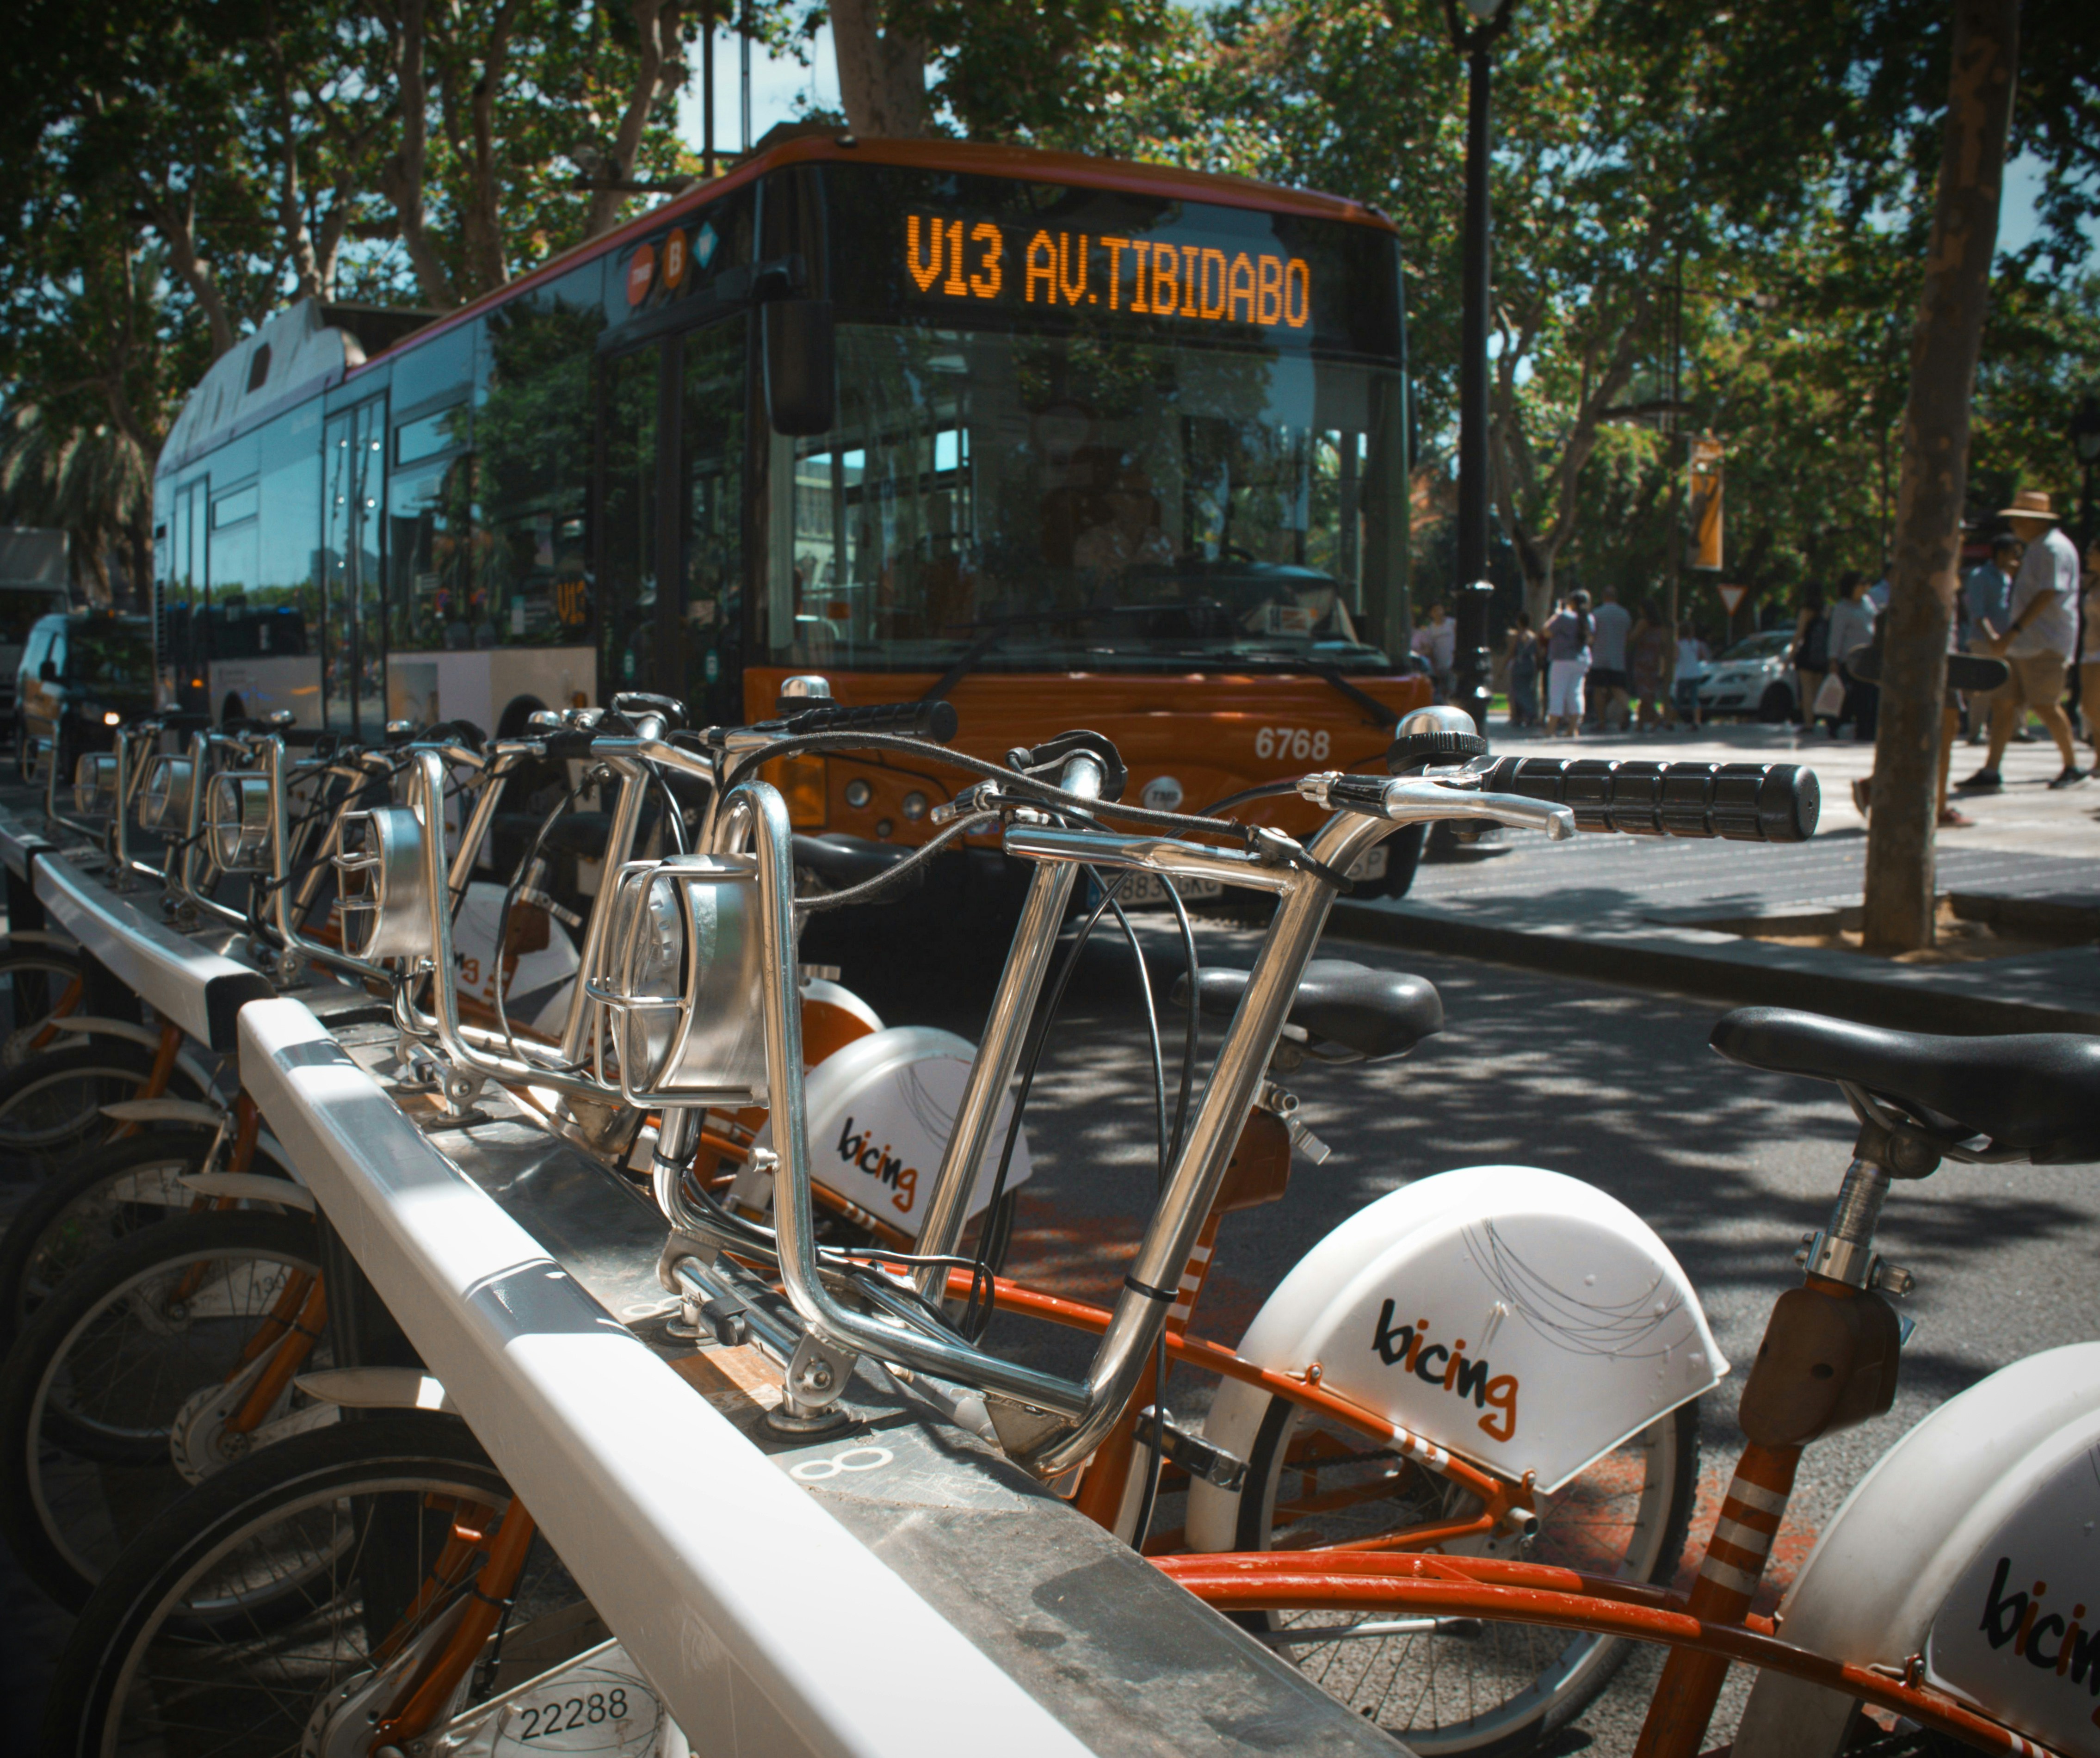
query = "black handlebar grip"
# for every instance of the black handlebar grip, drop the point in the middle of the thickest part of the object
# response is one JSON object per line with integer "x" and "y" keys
{"x": 565, "y": 741}
{"x": 934, "y": 720}
{"x": 1741, "y": 802}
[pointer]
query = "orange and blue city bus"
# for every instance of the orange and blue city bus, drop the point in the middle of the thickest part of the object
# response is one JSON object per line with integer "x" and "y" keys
{"x": 1070, "y": 442}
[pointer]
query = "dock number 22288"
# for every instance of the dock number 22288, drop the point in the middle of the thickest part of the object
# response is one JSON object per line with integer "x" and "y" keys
{"x": 1303, "y": 742}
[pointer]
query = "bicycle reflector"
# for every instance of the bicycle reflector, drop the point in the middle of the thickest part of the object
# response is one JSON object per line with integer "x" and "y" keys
{"x": 681, "y": 971}
{"x": 94, "y": 783}
{"x": 380, "y": 893}
{"x": 164, "y": 803}
{"x": 236, "y": 818}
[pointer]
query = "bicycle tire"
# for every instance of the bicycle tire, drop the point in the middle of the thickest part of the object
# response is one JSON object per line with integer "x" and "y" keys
{"x": 51, "y": 1106}
{"x": 1578, "y": 1666}
{"x": 143, "y": 1623}
{"x": 74, "y": 1213}
{"x": 75, "y": 1482}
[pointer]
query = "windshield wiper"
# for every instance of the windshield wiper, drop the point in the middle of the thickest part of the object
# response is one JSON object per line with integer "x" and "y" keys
{"x": 1329, "y": 674}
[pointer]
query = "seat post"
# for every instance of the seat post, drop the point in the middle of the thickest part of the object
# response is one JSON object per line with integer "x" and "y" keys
{"x": 1844, "y": 1250}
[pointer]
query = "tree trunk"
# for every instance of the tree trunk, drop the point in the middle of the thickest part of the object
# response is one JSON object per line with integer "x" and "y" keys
{"x": 1933, "y": 479}
{"x": 481, "y": 218}
{"x": 657, "y": 66}
{"x": 172, "y": 214}
{"x": 882, "y": 73}
{"x": 403, "y": 175}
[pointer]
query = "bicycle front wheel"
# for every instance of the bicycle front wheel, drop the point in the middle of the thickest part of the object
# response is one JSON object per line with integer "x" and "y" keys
{"x": 349, "y": 1537}
{"x": 106, "y": 1195}
{"x": 35, "y": 980}
{"x": 51, "y": 1106}
{"x": 1444, "y": 1685}
{"x": 107, "y": 1404}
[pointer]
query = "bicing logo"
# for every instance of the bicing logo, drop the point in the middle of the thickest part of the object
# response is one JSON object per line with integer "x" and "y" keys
{"x": 1408, "y": 1349}
{"x": 879, "y": 1163}
{"x": 2045, "y": 1639}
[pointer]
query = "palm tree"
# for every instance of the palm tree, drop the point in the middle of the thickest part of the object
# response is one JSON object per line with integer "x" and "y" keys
{"x": 65, "y": 465}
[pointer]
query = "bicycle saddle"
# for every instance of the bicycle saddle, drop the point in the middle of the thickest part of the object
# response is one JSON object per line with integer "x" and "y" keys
{"x": 2037, "y": 1092}
{"x": 1369, "y": 1013}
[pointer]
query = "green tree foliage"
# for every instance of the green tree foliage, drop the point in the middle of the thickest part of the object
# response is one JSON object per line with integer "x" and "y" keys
{"x": 1781, "y": 160}
{"x": 178, "y": 168}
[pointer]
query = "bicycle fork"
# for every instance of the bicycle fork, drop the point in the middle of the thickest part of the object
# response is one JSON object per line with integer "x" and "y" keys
{"x": 1828, "y": 1362}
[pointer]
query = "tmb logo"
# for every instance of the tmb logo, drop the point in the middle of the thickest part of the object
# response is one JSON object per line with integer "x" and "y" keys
{"x": 880, "y": 1164}
{"x": 1410, "y": 1349}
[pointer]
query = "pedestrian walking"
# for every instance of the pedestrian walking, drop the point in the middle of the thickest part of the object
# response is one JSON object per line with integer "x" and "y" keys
{"x": 1691, "y": 673}
{"x": 1646, "y": 649}
{"x": 1521, "y": 667}
{"x": 1852, "y": 628}
{"x": 1437, "y": 641}
{"x": 1608, "y": 686}
{"x": 1568, "y": 634}
{"x": 2040, "y": 639}
{"x": 1811, "y": 651}
{"x": 1985, "y": 590}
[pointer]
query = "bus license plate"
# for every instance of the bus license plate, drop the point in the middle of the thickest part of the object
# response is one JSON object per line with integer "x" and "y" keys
{"x": 1370, "y": 865}
{"x": 1139, "y": 889}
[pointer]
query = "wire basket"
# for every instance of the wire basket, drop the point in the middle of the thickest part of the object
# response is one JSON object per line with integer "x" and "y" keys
{"x": 380, "y": 892}
{"x": 681, "y": 970}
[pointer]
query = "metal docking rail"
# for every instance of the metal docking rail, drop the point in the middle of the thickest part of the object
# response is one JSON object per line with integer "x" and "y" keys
{"x": 895, "y": 1588}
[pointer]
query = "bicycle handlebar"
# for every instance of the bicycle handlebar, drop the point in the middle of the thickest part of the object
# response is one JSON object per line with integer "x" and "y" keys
{"x": 936, "y": 720}
{"x": 1739, "y": 802}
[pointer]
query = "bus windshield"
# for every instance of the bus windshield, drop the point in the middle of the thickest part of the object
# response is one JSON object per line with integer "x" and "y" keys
{"x": 1086, "y": 503}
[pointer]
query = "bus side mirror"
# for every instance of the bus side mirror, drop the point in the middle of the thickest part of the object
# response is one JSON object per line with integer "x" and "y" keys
{"x": 801, "y": 367}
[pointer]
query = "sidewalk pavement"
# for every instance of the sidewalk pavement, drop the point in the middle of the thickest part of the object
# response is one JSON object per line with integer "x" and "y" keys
{"x": 1629, "y": 910}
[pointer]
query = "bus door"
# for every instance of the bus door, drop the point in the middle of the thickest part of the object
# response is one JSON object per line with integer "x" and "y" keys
{"x": 183, "y": 599}
{"x": 671, "y": 526}
{"x": 708, "y": 632}
{"x": 353, "y": 619}
{"x": 634, "y": 388}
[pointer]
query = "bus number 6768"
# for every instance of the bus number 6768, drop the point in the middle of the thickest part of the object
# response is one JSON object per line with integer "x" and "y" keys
{"x": 1302, "y": 743}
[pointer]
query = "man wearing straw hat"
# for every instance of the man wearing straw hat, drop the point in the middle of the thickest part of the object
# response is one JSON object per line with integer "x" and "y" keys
{"x": 2040, "y": 636}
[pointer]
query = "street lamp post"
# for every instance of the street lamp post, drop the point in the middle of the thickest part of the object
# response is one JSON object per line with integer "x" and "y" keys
{"x": 1471, "y": 663}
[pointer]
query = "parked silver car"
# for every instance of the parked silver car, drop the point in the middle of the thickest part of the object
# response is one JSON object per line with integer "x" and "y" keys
{"x": 1754, "y": 676}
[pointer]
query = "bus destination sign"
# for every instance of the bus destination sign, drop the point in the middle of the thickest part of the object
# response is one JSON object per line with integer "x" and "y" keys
{"x": 1159, "y": 278}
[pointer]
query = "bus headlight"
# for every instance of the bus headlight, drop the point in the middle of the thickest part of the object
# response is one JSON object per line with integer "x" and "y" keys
{"x": 94, "y": 783}
{"x": 681, "y": 972}
{"x": 236, "y": 817}
{"x": 380, "y": 892}
{"x": 164, "y": 803}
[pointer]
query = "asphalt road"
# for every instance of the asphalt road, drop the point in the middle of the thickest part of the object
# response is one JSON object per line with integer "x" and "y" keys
{"x": 1614, "y": 1086}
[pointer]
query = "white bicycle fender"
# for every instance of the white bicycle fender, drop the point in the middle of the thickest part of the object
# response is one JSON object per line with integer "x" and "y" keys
{"x": 880, "y": 1113}
{"x": 1524, "y": 1321}
{"x": 166, "y": 1111}
{"x": 251, "y": 1187}
{"x": 2009, "y": 1469}
{"x": 375, "y": 1389}
{"x": 130, "y": 1031}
